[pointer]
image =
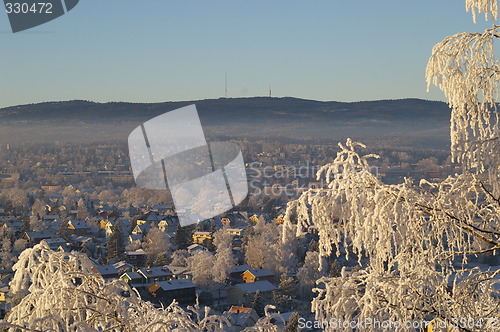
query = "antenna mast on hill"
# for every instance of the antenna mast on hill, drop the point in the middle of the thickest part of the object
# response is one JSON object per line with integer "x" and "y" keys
{"x": 269, "y": 90}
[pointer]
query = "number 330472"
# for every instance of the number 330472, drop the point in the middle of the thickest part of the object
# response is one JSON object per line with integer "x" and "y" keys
{"x": 25, "y": 8}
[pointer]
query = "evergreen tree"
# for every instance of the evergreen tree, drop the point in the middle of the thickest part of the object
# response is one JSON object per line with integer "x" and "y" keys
{"x": 183, "y": 237}
{"x": 287, "y": 289}
{"x": 335, "y": 269}
{"x": 293, "y": 323}
{"x": 63, "y": 230}
{"x": 258, "y": 304}
{"x": 116, "y": 245}
{"x": 26, "y": 227}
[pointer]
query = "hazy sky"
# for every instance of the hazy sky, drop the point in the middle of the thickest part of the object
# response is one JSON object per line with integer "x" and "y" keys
{"x": 160, "y": 50}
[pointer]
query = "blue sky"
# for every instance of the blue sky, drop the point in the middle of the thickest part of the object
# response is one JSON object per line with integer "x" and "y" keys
{"x": 159, "y": 50}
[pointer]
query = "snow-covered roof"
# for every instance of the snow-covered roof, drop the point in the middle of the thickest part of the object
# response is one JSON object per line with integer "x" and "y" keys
{"x": 239, "y": 268}
{"x": 196, "y": 246}
{"x": 133, "y": 275}
{"x": 178, "y": 269}
{"x": 43, "y": 234}
{"x": 79, "y": 224}
{"x": 234, "y": 229}
{"x": 136, "y": 252}
{"x": 241, "y": 316}
{"x": 252, "y": 287}
{"x": 155, "y": 272}
{"x": 122, "y": 264}
{"x": 261, "y": 272}
{"x": 56, "y": 240}
{"x": 202, "y": 233}
{"x": 176, "y": 284}
{"x": 106, "y": 269}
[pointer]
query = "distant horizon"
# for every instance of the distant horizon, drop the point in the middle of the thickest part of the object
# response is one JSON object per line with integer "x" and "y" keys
{"x": 220, "y": 98}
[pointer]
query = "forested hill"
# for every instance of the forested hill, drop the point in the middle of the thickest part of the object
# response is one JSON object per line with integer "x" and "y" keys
{"x": 243, "y": 117}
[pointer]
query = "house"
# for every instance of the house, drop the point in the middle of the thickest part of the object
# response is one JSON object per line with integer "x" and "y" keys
{"x": 148, "y": 218}
{"x": 312, "y": 229}
{"x": 163, "y": 208}
{"x": 169, "y": 224}
{"x": 236, "y": 271}
{"x": 36, "y": 237}
{"x": 12, "y": 225}
{"x": 105, "y": 223}
{"x": 106, "y": 271}
{"x": 282, "y": 320}
{"x": 253, "y": 275}
{"x": 240, "y": 318}
{"x": 226, "y": 221}
{"x": 181, "y": 290}
{"x": 152, "y": 274}
{"x": 236, "y": 231}
{"x": 180, "y": 272}
{"x": 55, "y": 243}
{"x": 133, "y": 278}
{"x": 50, "y": 217}
{"x": 254, "y": 218}
{"x": 195, "y": 247}
{"x": 280, "y": 219}
{"x": 200, "y": 237}
{"x": 245, "y": 293}
{"x": 79, "y": 227}
{"x": 136, "y": 257}
{"x": 123, "y": 267}
{"x": 3, "y": 293}
{"x": 141, "y": 229}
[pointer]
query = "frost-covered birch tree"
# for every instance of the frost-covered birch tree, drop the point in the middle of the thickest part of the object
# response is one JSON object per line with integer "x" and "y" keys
{"x": 419, "y": 237}
{"x": 60, "y": 292}
{"x": 224, "y": 258}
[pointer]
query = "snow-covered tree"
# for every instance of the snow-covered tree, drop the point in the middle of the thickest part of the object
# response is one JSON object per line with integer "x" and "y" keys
{"x": 264, "y": 249}
{"x": 308, "y": 273}
{"x": 201, "y": 265}
{"x": 19, "y": 245}
{"x": 156, "y": 244}
{"x": 37, "y": 224}
{"x": 38, "y": 208}
{"x": 82, "y": 211}
{"x": 224, "y": 258}
{"x": 7, "y": 257}
{"x": 60, "y": 292}
{"x": 70, "y": 196}
{"x": 180, "y": 257}
{"x": 417, "y": 238}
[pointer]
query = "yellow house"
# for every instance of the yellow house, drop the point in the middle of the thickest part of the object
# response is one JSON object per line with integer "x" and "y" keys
{"x": 200, "y": 237}
{"x": 254, "y": 218}
{"x": 235, "y": 231}
{"x": 3, "y": 294}
{"x": 280, "y": 219}
{"x": 254, "y": 275}
{"x": 105, "y": 223}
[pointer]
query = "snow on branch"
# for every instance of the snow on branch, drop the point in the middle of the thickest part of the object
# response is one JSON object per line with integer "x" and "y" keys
{"x": 60, "y": 292}
{"x": 407, "y": 239}
{"x": 465, "y": 67}
{"x": 488, "y": 7}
